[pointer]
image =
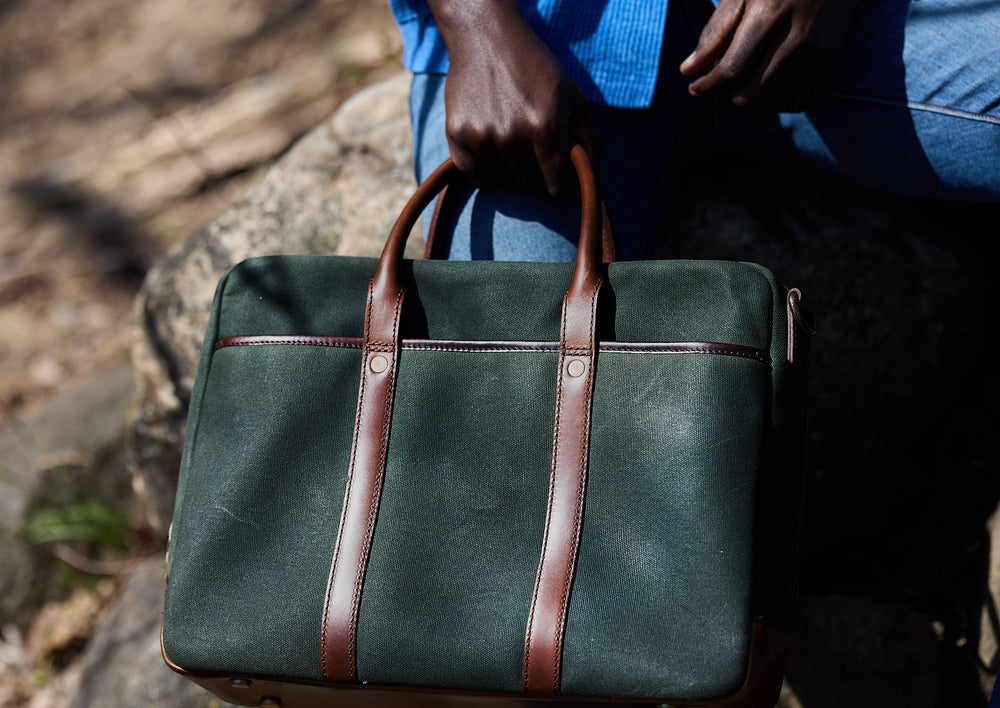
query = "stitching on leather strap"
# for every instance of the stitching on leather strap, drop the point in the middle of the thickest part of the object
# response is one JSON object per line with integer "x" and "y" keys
{"x": 581, "y": 488}
{"x": 375, "y": 497}
{"x": 357, "y": 524}
{"x": 567, "y": 488}
{"x": 335, "y": 565}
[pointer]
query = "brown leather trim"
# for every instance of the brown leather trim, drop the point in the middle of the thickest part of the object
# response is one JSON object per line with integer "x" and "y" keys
{"x": 289, "y": 339}
{"x": 379, "y": 366}
{"x": 449, "y": 345}
{"x": 609, "y": 243}
{"x": 567, "y": 488}
{"x": 737, "y": 350}
{"x": 768, "y": 652}
{"x": 361, "y": 498}
{"x": 570, "y": 449}
{"x": 324, "y": 695}
{"x": 441, "y": 218}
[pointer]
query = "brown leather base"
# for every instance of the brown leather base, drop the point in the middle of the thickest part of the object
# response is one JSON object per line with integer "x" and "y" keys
{"x": 768, "y": 653}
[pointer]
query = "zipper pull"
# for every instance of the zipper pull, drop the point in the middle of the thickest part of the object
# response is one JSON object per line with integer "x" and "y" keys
{"x": 801, "y": 328}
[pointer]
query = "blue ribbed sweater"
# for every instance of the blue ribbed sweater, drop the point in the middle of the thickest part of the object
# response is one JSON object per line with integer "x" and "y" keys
{"x": 611, "y": 48}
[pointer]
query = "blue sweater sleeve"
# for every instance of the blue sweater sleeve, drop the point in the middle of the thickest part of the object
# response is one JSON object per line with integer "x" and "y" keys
{"x": 611, "y": 48}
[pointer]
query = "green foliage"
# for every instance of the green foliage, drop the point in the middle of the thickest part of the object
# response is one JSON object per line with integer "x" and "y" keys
{"x": 83, "y": 521}
{"x": 355, "y": 75}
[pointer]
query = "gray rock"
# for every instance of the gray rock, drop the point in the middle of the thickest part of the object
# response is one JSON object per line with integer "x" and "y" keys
{"x": 122, "y": 665}
{"x": 72, "y": 428}
{"x": 69, "y": 450}
{"x": 337, "y": 191}
{"x": 21, "y": 573}
{"x": 989, "y": 630}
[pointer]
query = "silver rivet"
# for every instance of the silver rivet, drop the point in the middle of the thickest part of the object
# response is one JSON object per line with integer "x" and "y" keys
{"x": 239, "y": 683}
{"x": 270, "y": 701}
{"x": 576, "y": 368}
{"x": 378, "y": 364}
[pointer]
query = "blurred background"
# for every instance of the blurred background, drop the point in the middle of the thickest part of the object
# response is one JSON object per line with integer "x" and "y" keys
{"x": 124, "y": 125}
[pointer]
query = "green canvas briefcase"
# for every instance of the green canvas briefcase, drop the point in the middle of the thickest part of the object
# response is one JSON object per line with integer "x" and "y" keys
{"x": 487, "y": 483}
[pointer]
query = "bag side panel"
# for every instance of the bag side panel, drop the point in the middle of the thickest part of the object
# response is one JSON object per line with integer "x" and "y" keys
{"x": 197, "y": 393}
{"x": 661, "y": 602}
{"x": 654, "y": 301}
{"x": 296, "y": 295}
{"x": 782, "y": 498}
{"x": 265, "y": 486}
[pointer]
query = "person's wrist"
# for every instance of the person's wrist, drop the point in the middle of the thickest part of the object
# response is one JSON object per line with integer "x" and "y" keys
{"x": 468, "y": 24}
{"x": 473, "y": 15}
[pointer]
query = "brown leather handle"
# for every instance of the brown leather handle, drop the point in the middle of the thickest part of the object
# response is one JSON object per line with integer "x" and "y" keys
{"x": 386, "y": 283}
{"x": 577, "y": 330}
{"x": 449, "y": 201}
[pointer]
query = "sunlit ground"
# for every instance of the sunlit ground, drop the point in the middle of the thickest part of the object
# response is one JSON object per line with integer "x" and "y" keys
{"x": 124, "y": 124}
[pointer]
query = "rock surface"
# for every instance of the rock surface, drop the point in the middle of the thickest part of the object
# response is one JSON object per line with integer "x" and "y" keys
{"x": 122, "y": 665}
{"x": 901, "y": 477}
{"x": 68, "y": 450}
{"x": 71, "y": 429}
{"x": 989, "y": 642}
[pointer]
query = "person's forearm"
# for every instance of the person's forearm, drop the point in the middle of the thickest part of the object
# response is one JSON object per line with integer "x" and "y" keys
{"x": 461, "y": 21}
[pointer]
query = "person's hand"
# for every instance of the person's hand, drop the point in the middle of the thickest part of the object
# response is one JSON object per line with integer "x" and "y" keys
{"x": 769, "y": 54}
{"x": 512, "y": 112}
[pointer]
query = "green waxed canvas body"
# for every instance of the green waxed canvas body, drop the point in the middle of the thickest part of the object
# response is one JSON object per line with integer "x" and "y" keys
{"x": 691, "y": 495}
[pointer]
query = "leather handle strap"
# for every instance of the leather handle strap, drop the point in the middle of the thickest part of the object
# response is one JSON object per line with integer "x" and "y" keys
{"x": 444, "y": 213}
{"x": 596, "y": 235}
{"x": 448, "y": 202}
{"x": 570, "y": 453}
{"x": 380, "y": 355}
{"x": 379, "y": 365}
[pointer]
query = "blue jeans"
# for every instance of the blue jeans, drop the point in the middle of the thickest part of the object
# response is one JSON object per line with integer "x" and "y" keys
{"x": 914, "y": 109}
